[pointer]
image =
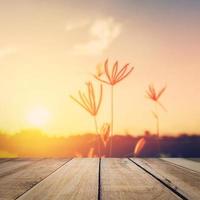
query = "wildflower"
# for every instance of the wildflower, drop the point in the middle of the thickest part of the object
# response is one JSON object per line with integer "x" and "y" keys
{"x": 113, "y": 77}
{"x": 154, "y": 96}
{"x": 105, "y": 133}
{"x": 89, "y": 102}
{"x": 91, "y": 105}
{"x": 116, "y": 75}
{"x": 139, "y": 146}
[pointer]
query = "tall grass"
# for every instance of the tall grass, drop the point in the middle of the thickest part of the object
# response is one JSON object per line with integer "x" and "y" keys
{"x": 154, "y": 95}
{"x": 112, "y": 77}
{"x": 91, "y": 105}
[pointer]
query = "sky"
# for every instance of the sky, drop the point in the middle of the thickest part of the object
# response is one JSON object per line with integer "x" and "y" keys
{"x": 50, "y": 48}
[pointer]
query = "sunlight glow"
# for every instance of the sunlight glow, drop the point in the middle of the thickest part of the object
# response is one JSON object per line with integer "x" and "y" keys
{"x": 38, "y": 116}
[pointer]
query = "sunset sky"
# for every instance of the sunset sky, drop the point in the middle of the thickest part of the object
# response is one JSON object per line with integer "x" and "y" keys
{"x": 50, "y": 48}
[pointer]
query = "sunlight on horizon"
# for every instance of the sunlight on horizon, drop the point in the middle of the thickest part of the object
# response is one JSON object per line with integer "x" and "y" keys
{"x": 48, "y": 56}
{"x": 38, "y": 117}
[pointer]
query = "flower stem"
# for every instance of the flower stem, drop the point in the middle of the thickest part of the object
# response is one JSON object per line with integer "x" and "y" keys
{"x": 97, "y": 132}
{"x": 157, "y": 127}
{"x": 112, "y": 120}
{"x": 157, "y": 120}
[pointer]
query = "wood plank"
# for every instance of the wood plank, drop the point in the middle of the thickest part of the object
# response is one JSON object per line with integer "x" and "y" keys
{"x": 184, "y": 179}
{"x": 194, "y": 159}
{"x": 2, "y": 160}
{"x": 78, "y": 179}
{"x": 192, "y": 165}
{"x": 13, "y": 165}
{"x": 122, "y": 179}
{"x": 23, "y": 174}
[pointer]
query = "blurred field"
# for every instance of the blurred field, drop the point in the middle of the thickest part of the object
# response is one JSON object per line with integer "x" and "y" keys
{"x": 34, "y": 143}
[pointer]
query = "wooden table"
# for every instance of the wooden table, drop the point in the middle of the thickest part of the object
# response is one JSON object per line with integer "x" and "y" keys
{"x": 94, "y": 178}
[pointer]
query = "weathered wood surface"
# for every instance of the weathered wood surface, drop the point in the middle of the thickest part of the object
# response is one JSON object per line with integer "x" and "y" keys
{"x": 185, "y": 181}
{"x": 10, "y": 166}
{"x": 186, "y": 163}
{"x": 19, "y": 175}
{"x": 2, "y": 160}
{"x": 121, "y": 179}
{"x": 102, "y": 179}
{"x": 182, "y": 177}
{"x": 78, "y": 179}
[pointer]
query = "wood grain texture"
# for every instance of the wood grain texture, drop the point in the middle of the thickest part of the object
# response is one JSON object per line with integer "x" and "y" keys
{"x": 122, "y": 179}
{"x": 2, "y": 160}
{"x": 11, "y": 166}
{"x": 78, "y": 179}
{"x": 194, "y": 159}
{"x": 19, "y": 175}
{"x": 190, "y": 164}
{"x": 187, "y": 180}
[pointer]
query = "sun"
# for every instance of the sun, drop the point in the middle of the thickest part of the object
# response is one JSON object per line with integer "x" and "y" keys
{"x": 38, "y": 116}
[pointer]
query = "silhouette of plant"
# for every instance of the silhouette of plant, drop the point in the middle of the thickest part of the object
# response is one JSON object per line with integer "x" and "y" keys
{"x": 154, "y": 96}
{"x": 111, "y": 78}
{"x": 89, "y": 102}
{"x": 116, "y": 75}
{"x": 91, "y": 105}
{"x": 105, "y": 133}
{"x": 139, "y": 146}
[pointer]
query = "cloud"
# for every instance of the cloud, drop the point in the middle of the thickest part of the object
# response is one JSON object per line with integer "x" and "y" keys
{"x": 5, "y": 51}
{"x": 102, "y": 33}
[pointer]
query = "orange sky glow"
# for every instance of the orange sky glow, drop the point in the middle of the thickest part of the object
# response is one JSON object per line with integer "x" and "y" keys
{"x": 49, "y": 49}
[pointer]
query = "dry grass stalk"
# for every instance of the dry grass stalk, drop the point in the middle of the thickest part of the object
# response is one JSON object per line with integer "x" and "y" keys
{"x": 91, "y": 104}
{"x": 139, "y": 146}
{"x": 105, "y": 133}
{"x": 154, "y": 96}
{"x": 112, "y": 77}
